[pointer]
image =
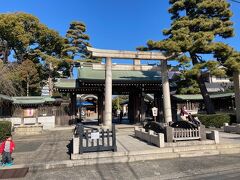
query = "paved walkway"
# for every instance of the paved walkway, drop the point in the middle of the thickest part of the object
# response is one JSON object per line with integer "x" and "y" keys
{"x": 54, "y": 145}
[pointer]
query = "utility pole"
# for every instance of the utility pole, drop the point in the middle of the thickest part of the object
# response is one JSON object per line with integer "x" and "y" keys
{"x": 27, "y": 85}
{"x": 50, "y": 83}
{"x": 118, "y": 102}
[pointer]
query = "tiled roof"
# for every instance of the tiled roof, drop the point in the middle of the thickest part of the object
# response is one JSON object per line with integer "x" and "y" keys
{"x": 199, "y": 96}
{"x": 88, "y": 73}
{"x": 24, "y": 100}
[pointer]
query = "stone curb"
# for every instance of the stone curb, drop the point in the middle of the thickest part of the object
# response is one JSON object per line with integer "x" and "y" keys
{"x": 124, "y": 157}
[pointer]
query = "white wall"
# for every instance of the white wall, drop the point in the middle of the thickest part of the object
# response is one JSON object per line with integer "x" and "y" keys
{"x": 48, "y": 122}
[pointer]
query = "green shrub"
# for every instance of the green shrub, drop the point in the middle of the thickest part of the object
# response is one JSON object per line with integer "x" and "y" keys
{"x": 216, "y": 120}
{"x": 5, "y": 129}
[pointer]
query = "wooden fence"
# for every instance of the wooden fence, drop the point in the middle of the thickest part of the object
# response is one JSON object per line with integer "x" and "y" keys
{"x": 95, "y": 140}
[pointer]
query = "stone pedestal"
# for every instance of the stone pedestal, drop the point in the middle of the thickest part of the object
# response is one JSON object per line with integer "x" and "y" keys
{"x": 28, "y": 129}
{"x": 75, "y": 145}
{"x": 214, "y": 135}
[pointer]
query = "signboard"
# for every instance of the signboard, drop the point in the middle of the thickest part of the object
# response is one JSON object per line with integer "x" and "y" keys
{"x": 95, "y": 135}
{"x": 29, "y": 112}
{"x": 154, "y": 111}
{"x": 45, "y": 90}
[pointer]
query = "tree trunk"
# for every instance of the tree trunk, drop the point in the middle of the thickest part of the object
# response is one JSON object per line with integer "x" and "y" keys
{"x": 206, "y": 98}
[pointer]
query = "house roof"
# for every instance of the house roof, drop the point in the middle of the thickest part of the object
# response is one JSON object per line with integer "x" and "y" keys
{"x": 217, "y": 86}
{"x": 27, "y": 100}
{"x": 66, "y": 83}
{"x": 199, "y": 96}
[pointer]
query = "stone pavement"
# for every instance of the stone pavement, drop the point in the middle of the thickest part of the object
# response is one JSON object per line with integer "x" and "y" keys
{"x": 53, "y": 146}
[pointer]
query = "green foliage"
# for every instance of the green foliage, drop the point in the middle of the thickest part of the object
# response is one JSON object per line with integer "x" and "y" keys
{"x": 195, "y": 25}
{"x": 11, "y": 82}
{"x": 233, "y": 62}
{"x": 216, "y": 120}
{"x": 117, "y": 101}
{"x": 26, "y": 36}
{"x": 193, "y": 32}
{"x": 76, "y": 41}
{"x": 29, "y": 76}
{"x": 5, "y": 129}
{"x": 188, "y": 86}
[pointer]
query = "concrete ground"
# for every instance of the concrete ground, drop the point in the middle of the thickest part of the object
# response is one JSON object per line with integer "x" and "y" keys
{"x": 223, "y": 167}
{"x": 54, "y": 145}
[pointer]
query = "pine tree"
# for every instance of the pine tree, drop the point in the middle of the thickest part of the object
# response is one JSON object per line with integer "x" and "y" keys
{"x": 76, "y": 41}
{"x": 29, "y": 77}
{"x": 194, "y": 28}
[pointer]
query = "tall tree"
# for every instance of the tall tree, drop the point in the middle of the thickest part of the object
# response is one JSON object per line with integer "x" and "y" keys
{"x": 76, "y": 41}
{"x": 75, "y": 45}
{"x": 27, "y": 38}
{"x": 10, "y": 82}
{"x": 29, "y": 76}
{"x": 194, "y": 28}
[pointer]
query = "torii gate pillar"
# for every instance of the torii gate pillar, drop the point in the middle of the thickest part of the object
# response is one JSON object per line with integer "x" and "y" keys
{"x": 166, "y": 93}
{"x": 107, "y": 120}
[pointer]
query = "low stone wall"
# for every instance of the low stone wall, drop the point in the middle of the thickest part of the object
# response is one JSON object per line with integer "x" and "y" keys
{"x": 150, "y": 137}
{"x": 28, "y": 129}
{"x": 233, "y": 128}
{"x": 213, "y": 135}
{"x": 48, "y": 122}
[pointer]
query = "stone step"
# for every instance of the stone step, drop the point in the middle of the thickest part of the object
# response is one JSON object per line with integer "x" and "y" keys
{"x": 229, "y": 151}
{"x": 183, "y": 151}
{"x": 206, "y": 152}
{"x": 123, "y": 157}
{"x": 224, "y": 146}
{"x": 15, "y": 171}
{"x": 194, "y": 148}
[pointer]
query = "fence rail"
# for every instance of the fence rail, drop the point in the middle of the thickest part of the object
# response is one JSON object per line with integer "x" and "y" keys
{"x": 186, "y": 134}
{"x": 95, "y": 140}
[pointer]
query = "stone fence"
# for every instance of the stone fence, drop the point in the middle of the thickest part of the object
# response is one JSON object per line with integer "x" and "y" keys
{"x": 150, "y": 136}
{"x": 178, "y": 134}
{"x": 174, "y": 134}
{"x": 233, "y": 128}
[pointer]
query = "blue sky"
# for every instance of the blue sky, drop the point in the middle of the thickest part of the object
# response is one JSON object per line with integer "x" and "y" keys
{"x": 111, "y": 24}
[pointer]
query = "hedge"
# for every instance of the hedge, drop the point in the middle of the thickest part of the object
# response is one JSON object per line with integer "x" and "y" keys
{"x": 5, "y": 129}
{"x": 216, "y": 120}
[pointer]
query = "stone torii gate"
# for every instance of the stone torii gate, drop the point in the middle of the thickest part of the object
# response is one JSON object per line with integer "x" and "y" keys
{"x": 136, "y": 56}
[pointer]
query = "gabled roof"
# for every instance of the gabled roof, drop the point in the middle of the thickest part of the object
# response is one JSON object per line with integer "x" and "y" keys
{"x": 27, "y": 100}
{"x": 88, "y": 73}
{"x": 5, "y": 98}
{"x": 199, "y": 96}
{"x": 217, "y": 86}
